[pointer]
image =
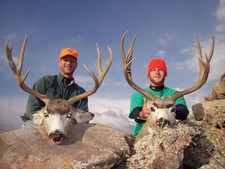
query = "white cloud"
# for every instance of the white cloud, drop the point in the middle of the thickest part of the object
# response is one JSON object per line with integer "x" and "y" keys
{"x": 220, "y": 14}
{"x": 161, "y": 53}
{"x": 113, "y": 113}
{"x": 85, "y": 81}
{"x": 186, "y": 51}
{"x": 11, "y": 110}
{"x": 76, "y": 39}
{"x": 11, "y": 37}
{"x": 164, "y": 41}
{"x": 217, "y": 62}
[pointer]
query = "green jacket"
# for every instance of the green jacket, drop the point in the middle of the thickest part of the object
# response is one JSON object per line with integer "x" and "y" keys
{"x": 55, "y": 88}
{"x": 137, "y": 101}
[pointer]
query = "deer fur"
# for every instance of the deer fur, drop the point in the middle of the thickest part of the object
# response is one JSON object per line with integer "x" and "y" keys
{"x": 162, "y": 115}
{"x": 58, "y": 117}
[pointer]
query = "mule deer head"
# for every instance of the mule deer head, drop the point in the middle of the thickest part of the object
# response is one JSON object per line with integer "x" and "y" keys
{"x": 57, "y": 116}
{"x": 162, "y": 109}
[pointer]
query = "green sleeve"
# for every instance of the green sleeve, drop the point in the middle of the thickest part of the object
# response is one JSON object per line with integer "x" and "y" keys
{"x": 136, "y": 101}
{"x": 171, "y": 92}
{"x": 181, "y": 100}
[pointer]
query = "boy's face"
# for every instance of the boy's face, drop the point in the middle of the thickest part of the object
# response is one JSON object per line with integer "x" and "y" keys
{"x": 157, "y": 77}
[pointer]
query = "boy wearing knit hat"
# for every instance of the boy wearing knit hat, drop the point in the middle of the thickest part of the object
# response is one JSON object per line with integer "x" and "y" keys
{"x": 157, "y": 72}
{"x": 61, "y": 86}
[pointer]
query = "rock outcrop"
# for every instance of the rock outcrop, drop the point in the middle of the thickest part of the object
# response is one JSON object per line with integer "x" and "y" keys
{"x": 212, "y": 112}
{"x": 198, "y": 142}
{"x": 218, "y": 90}
{"x": 209, "y": 148}
{"x": 164, "y": 149}
{"x": 85, "y": 146}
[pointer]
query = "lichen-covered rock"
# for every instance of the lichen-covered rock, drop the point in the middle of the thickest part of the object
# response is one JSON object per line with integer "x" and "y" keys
{"x": 208, "y": 149}
{"x": 218, "y": 90}
{"x": 85, "y": 146}
{"x": 164, "y": 149}
{"x": 198, "y": 112}
{"x": 215, "y": 162}
{"x": 189, "y": 144}
{"x": 212, "y": 112}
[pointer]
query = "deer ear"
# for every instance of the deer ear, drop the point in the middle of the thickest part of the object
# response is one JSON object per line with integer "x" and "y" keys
{"x": 81, "y": 116}
{"x": 38, "y": 118}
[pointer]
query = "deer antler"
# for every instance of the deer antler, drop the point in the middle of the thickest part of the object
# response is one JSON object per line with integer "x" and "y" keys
{"x": 204, "y": 70}
{"x": 98, "y": 81}
{"x": 17, "y": 71}
{"x": 127, "y": 60}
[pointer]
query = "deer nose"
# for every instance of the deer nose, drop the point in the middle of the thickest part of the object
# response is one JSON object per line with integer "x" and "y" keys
{"x": 57, "y": 136}
{"x": 162, "y": 122}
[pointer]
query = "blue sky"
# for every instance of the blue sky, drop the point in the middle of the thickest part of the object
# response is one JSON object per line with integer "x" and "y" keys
{"x": 165, "y": 29}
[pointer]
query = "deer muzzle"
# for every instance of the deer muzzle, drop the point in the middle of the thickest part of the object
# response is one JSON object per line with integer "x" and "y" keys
{"x": 162, "y": 122}
{"x": 56, "y": 137}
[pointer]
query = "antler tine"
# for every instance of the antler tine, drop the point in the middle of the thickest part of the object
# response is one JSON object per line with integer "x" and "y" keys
{"x": 98, "y": 81}
{"x": 20, "y": 65}
{"x": 17, "y": 71}
{"x": 204, "y": 70}
{"x": 127, "y": 59}
{"x": 99, "y": 59}
{"x": 101, "y": 74}
{"x": 122, "y": 47}
{"x": 211, "y": 50}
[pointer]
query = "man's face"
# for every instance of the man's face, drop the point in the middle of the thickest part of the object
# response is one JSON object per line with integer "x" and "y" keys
{"x": 157, "y": 77}
{"x": 67, "y": 65}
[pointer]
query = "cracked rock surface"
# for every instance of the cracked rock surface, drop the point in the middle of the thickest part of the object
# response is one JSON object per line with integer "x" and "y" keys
{"x": 85, "y": 146}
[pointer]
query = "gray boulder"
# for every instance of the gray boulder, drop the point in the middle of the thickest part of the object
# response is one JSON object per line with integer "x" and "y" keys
{"x": 85, "y": 146}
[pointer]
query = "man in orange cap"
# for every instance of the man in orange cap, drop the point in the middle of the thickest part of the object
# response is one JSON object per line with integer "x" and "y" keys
{"x": 61, "y": 86}
{"x": 157, "y": 72}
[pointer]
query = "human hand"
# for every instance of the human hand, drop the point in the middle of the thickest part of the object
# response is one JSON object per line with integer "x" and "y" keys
{"x": 143, "y": 115}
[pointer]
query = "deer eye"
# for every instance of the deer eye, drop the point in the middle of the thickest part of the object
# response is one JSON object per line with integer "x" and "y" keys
{"x": 152, "y": 109}
{"x": 173, "y": 110}
{"x": 69, "y": 115}
{"x": 46, "y": 115}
